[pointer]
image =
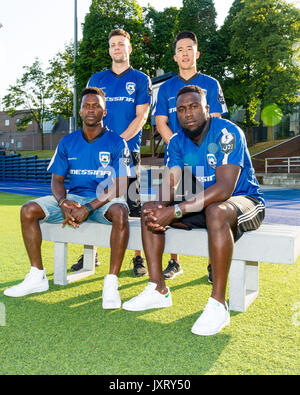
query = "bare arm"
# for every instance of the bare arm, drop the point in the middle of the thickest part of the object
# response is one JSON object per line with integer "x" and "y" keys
{"x": 163, "y": 128}
{"x": 57, "y": 187}
{"x": 226, "y": 179}
{"x": 139, "y": 121}
{"x": 59, "y": 192}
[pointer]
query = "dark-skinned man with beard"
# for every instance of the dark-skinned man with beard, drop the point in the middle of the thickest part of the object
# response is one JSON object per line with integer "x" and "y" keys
{"x": 229, "y": 204}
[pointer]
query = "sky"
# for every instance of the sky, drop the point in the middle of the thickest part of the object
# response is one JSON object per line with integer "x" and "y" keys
{"x": 41, "y": 28}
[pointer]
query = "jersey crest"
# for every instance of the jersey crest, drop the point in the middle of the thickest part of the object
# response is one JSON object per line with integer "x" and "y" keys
{"x": 104, "y": 158}
{"x": 130, "y": 87}
{"x": 211, "y": 160}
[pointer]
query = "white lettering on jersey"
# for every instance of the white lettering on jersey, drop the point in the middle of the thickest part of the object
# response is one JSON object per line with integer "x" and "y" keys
{"x": 89, "y": 172}
{"x": 126, "y": 99}
{"x": 206, "y": 178}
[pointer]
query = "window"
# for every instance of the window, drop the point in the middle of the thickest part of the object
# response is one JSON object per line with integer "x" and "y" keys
{"x": 7, "y": 122}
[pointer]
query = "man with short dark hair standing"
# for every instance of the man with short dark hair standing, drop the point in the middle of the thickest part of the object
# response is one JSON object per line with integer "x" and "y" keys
{"x": 98, "y": 163}
{"x": 229, "y": 204}
{"x": 128, "y": 97}
{"x": 185, "y": 55}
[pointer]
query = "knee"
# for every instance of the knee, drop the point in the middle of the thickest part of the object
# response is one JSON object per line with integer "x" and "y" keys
{"x": 119, "y": 215}
{"x": 216, "y": 216}
{"x": 31, "y": 211}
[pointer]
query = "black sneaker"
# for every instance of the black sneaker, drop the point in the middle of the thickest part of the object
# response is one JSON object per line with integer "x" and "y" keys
{"x": 139, "y": 268}
{"x": 79, "y": 265}
{"x": 209, "y": 274}
{"x": 172, "y": 270}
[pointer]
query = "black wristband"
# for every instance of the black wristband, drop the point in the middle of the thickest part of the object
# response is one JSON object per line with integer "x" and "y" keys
{"x": 89, "y": 208}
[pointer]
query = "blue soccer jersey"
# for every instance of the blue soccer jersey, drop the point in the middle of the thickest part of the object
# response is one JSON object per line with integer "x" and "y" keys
{"x": 166, "y": 99}
{"x": 123, "y": 92}
{"x": 91, "y": 164}
{"x": 224, "y": 144}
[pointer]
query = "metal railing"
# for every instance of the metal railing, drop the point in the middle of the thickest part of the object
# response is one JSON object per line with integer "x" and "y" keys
{"x": 288, "y": 162}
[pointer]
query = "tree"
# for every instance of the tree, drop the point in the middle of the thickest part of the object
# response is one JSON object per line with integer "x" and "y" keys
{"x": 31, "y": 93}
{"x": 162, "y": 27}
{"x": 237, "y": 78}
{"x": 104, "y": 16}
{"x": 60, "y": 79}
{"x": 264, "y": 34}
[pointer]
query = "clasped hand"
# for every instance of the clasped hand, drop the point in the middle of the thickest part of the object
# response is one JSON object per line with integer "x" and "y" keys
{"x": 73, "y": 213}
{"x": 158, "y": 217}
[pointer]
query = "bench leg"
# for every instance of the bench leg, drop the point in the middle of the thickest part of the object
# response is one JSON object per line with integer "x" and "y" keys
{"x": 88, "y": 269}
{"x": 243, "y": 284}
{"x": 89, "y": 255}
{"x": 60, "y": 263}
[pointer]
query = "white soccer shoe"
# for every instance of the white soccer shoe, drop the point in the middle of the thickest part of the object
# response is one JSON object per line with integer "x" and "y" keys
{"x": 149, "y": 299}
{"x": 213, "y": 319}
{"x": 110, "y": 294}
{"x": 35, "y": 281}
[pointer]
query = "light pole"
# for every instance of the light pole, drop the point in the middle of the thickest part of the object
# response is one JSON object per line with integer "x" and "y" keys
{"x": 75, "y": 56}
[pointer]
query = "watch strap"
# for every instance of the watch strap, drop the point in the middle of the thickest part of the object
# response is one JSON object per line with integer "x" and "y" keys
{"x": 89, "y": 207}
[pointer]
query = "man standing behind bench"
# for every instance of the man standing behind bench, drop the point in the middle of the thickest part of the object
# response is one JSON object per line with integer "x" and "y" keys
{"x": 98, "y": 162}
{"x": 229, "y": 204}
{"x": 128, "y": 97}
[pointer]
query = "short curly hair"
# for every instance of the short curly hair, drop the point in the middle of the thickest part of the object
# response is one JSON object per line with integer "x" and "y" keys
{"x": 93, "y": 90}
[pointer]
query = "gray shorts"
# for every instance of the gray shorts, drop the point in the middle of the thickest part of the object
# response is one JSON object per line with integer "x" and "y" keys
{"x": 250, "y": 214}
{"x": 54, "y": 215}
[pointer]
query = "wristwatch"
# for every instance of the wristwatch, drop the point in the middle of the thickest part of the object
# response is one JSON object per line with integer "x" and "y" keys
{"x": 177, "y": 211}
{"x": 89, "y": 208}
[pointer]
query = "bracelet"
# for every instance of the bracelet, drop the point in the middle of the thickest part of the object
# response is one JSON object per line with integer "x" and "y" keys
{"x": 89, "y": 208}
{"x": 60, "y": 202}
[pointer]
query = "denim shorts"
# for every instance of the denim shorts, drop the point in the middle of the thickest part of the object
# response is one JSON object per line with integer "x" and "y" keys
{"x": 54, "y": 215}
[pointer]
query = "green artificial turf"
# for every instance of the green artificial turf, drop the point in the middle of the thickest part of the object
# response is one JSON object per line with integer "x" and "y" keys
{"x": 66, "y": 331}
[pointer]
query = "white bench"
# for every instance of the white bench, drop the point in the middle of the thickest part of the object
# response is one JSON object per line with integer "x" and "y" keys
{"x": 270, "y": 243}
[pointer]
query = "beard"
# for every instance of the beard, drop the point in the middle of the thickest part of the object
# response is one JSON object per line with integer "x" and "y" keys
{"x": 121, "y": 59}
{"x": 193, "y": 134}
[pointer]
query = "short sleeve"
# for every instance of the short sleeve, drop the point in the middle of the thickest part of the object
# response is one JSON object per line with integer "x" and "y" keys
{"x": 144, "y": 92}
{"x": 231, "y": 147}
{"x": 59, "y": 163}
{"x": 162, "y": 102}
{"x": 215, "y": 99}
{"x": 174, "y": 157}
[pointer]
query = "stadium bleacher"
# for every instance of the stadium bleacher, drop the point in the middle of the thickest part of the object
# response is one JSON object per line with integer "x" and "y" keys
{"x": 20, "y": 168}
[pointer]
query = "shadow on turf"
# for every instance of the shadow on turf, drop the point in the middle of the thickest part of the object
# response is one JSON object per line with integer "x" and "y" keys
{"x": 77, "y": 336}
{"x": 138, "y": 282}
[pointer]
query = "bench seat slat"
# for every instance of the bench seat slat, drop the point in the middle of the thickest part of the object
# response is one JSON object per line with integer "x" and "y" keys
{"x": 270, "y": 243}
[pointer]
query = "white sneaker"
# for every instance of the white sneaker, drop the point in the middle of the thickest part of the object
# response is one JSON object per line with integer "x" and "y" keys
{"x": 35, "y": 281}
{"x": 110, "y": 294}
{"x": 214, "y": 318}
{"x": 149, "y": 299}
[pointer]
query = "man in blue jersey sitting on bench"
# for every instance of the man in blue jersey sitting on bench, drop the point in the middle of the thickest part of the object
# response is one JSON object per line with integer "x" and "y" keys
{"x": 228, "y": 203}
{"x": 98, "y": 162}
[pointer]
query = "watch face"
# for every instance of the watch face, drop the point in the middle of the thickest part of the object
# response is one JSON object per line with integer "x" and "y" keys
{"x": 178, "y": 212}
